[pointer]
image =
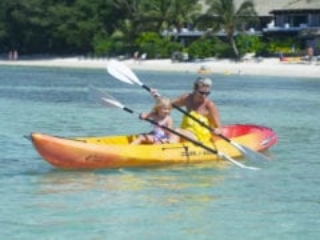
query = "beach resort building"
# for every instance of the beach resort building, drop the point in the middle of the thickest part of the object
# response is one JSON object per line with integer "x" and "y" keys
{"x": 294, "y": 18}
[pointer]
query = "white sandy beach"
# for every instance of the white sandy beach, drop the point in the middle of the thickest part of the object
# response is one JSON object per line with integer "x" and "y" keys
{"x": 270, "y": 67}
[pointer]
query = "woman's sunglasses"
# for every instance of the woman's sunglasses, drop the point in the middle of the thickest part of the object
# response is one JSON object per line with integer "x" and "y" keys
{"x": 204, "y": 93}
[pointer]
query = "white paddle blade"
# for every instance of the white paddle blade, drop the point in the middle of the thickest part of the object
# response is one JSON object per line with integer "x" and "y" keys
{"x": 113, "y": 70}
{"x": 228, "y": 158}
{"x": 111, "y": 103}
{"x": 252, "y": 155}
{"x": 120, "y": 71}
{"x": 103, "y": 98}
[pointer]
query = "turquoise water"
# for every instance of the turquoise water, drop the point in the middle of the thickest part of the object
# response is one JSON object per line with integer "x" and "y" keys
{"x": 281, "y": 201}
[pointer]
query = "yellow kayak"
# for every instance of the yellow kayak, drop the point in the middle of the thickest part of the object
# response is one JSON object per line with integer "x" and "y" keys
{"x": 116, "y": 151}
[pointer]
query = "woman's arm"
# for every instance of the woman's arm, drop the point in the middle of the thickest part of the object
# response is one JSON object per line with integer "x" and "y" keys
{"x": 145, "y": 115}
{"x": 214, "y": 114}
{"x": 180, "y": 101}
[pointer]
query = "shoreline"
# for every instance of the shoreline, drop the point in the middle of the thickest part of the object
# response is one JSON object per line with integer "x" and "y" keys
{"x": 267, "y": 67}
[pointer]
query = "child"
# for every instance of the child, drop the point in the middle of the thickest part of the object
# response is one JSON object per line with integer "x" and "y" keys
{"x": 160, "y": 114}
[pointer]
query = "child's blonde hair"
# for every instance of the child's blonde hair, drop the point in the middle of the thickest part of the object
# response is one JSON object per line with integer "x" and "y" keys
{"x": 160, "y": 103}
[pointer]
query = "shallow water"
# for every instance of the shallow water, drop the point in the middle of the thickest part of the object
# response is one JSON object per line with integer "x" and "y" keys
{"x": 281, "y": 201}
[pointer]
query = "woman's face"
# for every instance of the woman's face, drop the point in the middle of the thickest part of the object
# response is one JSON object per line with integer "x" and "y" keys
{"x": 203, "y": 91}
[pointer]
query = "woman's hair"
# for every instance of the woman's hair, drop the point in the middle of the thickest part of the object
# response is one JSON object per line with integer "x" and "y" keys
{"x": 200, "y": 81}
{"x": 161, "y": 102}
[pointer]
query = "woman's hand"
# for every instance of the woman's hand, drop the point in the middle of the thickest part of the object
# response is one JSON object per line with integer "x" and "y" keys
{"x": 217, "y": 131}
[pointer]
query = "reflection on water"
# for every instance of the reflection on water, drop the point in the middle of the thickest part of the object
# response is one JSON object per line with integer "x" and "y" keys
{"x": 117, "y": 188}
{"x": 168, "y": 178}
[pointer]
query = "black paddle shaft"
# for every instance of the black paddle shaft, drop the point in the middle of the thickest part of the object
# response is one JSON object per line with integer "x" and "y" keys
{"x": 190, "y": 116}
{"x": 198, "y": 121}
{"x": 176, "y": 133}
{"x": 181, "y": 135}
{"x": 146, "y": 87}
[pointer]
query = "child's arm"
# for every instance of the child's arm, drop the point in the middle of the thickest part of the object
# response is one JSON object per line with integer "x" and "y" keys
{"x": 144, "y": 115}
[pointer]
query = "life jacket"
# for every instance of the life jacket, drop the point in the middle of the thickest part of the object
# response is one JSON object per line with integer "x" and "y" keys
{"x": 202, "y": 133}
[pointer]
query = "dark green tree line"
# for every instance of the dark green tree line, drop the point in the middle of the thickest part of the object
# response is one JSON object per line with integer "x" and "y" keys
{"x": 54, "y": 26}
{"x": 104, "y": 27}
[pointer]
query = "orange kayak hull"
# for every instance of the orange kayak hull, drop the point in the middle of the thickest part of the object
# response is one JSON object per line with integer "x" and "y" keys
{"x": 116, "y": 152}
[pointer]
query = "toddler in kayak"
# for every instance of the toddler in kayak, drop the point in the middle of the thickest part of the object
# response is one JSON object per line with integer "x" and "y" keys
{"x": 161, "y": 115}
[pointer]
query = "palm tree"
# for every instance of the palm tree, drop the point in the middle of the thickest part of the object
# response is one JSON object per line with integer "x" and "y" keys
{"x": 169, "y": 13}
{"x": 184, "y": 12}
{"x": 223, "y": 15}
{"x": 128, "y": 24}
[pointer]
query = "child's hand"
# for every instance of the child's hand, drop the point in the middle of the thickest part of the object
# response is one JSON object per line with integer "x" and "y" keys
{"x": 155, "y": 93}
{"x": 143, "y": 116}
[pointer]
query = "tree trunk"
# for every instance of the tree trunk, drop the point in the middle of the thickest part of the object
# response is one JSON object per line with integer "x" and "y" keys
{"x": 234, "y": 47}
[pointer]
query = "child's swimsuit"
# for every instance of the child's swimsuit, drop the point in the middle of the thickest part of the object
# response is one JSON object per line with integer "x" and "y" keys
{"x": 159, "y": 134}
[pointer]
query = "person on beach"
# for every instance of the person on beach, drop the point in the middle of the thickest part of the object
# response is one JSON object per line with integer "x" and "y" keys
{"x": 201, "y": 107}
{"x": 161, "y": 115}
{"x": 136, "y": 56}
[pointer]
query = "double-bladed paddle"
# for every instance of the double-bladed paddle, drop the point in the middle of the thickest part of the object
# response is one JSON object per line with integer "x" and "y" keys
{"x": 110, "y": 101}
{"x": 123, "y": 73}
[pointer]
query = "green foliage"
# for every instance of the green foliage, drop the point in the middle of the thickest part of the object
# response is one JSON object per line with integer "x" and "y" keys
{"x": 285, "y": 45}
{"x": 3, "y": 32}
{"x": 53, "y": 26}
{"x": 248, "y": 43}
{"x": 147, "y": 37}
{"x": 156, "y": 46}
{"x": 204, "y": 47}
{"x": 101, "y": 44}
{"x": 110, "y": 27}
{"x": 201, "y": 48}
{"x": 172, "y": 47}
{"x": 157, "y": 15}
{"x": 226, "y": 15}
{"x": 149, "y": 43}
